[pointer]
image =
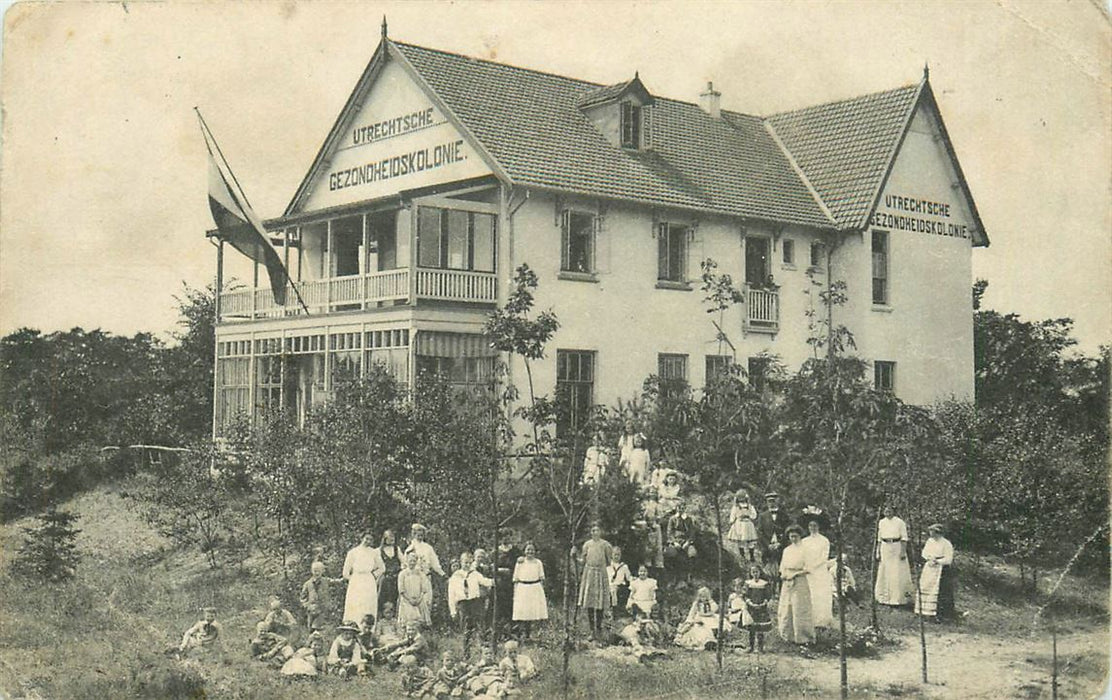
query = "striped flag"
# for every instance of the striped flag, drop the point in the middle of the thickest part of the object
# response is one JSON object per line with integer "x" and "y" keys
{"x": 237, "y": 222}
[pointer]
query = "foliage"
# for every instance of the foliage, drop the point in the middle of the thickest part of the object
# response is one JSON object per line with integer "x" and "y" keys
{"x": 49, "y": 551}
{"x": 32, "y": 481}
{"x": 194, "y": 505}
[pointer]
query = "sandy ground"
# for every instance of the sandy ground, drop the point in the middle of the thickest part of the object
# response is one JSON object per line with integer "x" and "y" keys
{"x": 975, "y": 667}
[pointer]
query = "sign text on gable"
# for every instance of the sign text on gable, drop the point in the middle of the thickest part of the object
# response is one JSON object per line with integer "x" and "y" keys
{"x": 388, "y": 128}
{"x": 921, "y": 215}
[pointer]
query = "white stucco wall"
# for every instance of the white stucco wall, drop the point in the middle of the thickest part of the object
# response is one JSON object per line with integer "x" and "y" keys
{"x": 626, "y": 319}
{"x": 927, "y": 326}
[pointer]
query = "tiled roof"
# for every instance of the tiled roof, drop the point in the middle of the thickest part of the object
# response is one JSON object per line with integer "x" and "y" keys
{"x": 530, "y": 124}
{"x": 844, "y": 148}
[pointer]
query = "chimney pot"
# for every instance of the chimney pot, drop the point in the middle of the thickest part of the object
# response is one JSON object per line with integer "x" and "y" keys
{"x": 711, "y": 101}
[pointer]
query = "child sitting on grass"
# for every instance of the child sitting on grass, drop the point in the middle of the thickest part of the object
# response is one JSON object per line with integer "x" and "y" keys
{"x": 699, "y": 629}
{"x": 203, "y": 636}
{"x": 308, "y": 661}
{"x": 279, "y": 621}
{"x": 484, "y": 677}
{"x": 346, "y": 657}
{"x": 367, "y": 636}
{"x": 449, "y": 679}
{"x": 415, "y": 677}
{"x": 413, "y": 644}
{"x": 516, "y": 668}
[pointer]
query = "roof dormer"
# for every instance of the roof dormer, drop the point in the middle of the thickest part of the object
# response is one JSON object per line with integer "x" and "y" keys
{"x": 622, "y": 113}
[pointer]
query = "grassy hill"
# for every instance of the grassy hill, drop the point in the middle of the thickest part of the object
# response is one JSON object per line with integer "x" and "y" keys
{"x": 103, "y": 634}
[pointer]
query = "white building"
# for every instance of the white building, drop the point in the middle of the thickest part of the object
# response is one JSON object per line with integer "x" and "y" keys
{"x": 443, "y": 173}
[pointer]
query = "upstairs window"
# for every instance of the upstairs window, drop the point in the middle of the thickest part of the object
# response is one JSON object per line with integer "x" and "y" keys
{"x": 455, "y": 240}
{"x": 880, "y": 267}
{"x": 787, "y": 248}
{"x": 577, "y": 242}
{"x": 631, "y": 125}
{"x": 884, "y": 376}
{"x": 671, "y": 242}
{"x": 818, "y": 252}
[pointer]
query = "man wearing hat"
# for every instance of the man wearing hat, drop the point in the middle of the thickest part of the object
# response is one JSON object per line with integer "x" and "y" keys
{"x": 771, "y": 524}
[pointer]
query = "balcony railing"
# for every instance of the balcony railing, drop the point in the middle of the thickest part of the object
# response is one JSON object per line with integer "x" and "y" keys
{"x": 762, "y": 310}
{"x": 359, "y": 292}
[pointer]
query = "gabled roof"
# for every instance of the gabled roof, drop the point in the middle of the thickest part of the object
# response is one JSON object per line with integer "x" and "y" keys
{"x": 821, "y": 166}
{"x": 613, "y": 92}
{"x": 845, "y": 148}
{"x": 531, "y": 124}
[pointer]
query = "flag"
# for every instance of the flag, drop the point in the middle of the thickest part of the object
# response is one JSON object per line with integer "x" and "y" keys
{"x": 237, "y": 223}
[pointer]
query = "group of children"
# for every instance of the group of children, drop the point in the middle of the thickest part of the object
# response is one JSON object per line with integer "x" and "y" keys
{"x": 358, "y": 647}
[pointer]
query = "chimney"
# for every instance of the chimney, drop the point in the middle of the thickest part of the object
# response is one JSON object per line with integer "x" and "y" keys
{"x": 710, "y": 101}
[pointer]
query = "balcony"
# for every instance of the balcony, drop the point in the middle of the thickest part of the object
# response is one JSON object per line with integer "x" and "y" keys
{"x": 762, "y": 310}
{"x": 357, "y": 292}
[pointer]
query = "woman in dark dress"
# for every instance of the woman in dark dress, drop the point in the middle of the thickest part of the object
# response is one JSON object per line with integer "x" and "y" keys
{"x": 391, "y": 557}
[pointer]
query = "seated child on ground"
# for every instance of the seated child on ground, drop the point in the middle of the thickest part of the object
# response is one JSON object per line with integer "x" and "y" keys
{"x": 415, "y": 677}
{"x": 449, "y": 678}
{"x": 367, "y": 636}
{"x": 699, "y": 629}
{"x": 279, "y": 621}
{"x": 386, "y": 628}
{"x": 642, "y": 634}
{"x": 413, "y": 644}
{"x": 271, "y": 647}
{"x": 516, "y": 668}
{"x": 346, "y": 657}
{"x": 202, "y": 636}
{"x": 308, "y": 661}
{"x": 485, "y": 676}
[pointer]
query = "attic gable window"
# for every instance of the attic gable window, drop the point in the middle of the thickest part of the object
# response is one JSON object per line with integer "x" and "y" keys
{"x": 631, "y": 125}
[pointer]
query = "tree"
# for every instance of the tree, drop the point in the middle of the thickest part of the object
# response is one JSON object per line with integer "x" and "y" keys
{"x": 49, "y": 551}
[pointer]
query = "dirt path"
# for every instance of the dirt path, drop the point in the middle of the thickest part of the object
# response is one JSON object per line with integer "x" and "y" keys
{"x": 973, "y": 667}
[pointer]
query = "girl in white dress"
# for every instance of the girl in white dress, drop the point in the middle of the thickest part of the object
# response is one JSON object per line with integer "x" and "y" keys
{"x": 741, "y": 539}
{"x": 530, "y": 603}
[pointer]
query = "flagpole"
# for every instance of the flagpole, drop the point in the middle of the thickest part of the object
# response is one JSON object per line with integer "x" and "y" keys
{"x": 209, "y": 138}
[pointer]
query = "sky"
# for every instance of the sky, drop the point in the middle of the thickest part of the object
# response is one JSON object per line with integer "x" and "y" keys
{"x": 103, "y": 203}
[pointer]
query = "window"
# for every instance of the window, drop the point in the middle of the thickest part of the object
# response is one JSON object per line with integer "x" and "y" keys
{"x": 884, "y": 376}
{"x": 880, "y": 267}
{"x": 717, "y": 366}
{"x": 787, "y": 247}
{"x": 631, "y": 125}
{"x": 233, "y": 379}
{"x": 460, "y": 372}
{"x": 818, "y": 251}
{"x": 758, "y": 372}
{"x": 575, "y": 388}
{"x": 672, "y": 372}
{"x": 757, "y": 272}
{"x": 578, "y": 242}
{"x": 455, "y": 240}
{"x": 671, "y": 248}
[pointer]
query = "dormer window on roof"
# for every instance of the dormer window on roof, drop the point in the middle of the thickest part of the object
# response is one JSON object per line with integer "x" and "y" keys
{"x": 622, "y": 112}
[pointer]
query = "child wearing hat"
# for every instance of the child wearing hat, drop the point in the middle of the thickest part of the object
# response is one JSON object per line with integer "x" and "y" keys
{"x": 346, "y": 657}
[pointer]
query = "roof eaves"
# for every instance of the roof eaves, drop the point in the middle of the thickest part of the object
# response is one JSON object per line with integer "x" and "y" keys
{"x": 979, "y": 227}
{"x": 890, "y": 161}
{"x": 367, "y": 77}
{"x": 489, "y": 159}
{"x": 799, "y": 172}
